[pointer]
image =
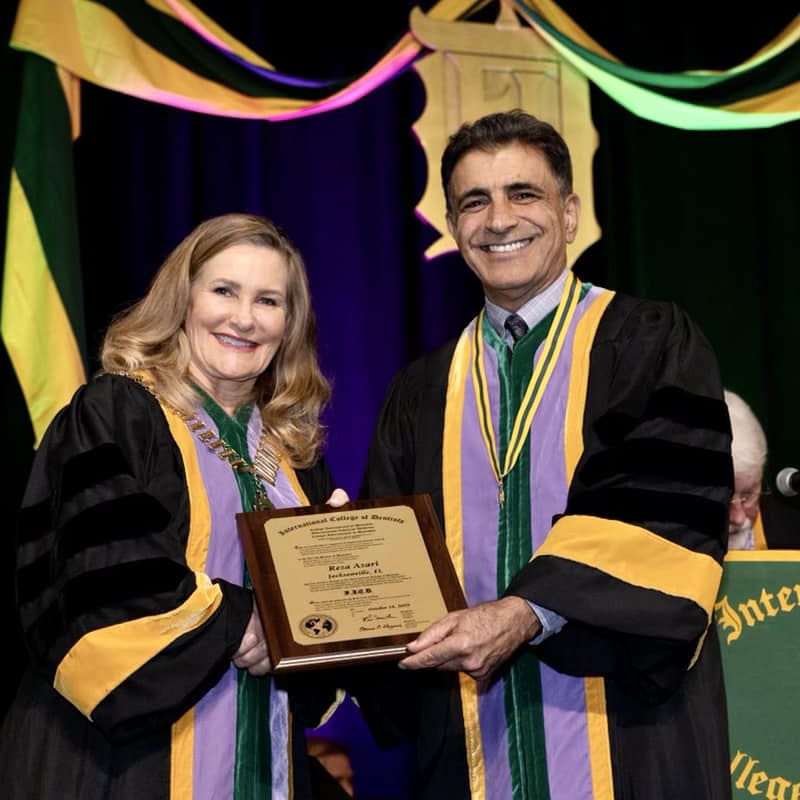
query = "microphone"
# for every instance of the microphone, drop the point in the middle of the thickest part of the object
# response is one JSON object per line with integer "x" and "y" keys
{"x": 788, "y": 481}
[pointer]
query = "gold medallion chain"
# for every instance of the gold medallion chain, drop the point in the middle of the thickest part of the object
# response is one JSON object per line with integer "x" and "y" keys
{"x": 266, "y": 463}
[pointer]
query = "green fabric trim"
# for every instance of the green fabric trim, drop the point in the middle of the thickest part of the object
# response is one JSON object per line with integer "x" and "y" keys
{"x": 522, "y": 688}
{"x": 523, "y": 695}
{"x": 700, "y": 88}
{"x": 234, "y": 431}
{"x": 44, "y": 163}
{"x": 181, "y": 44}
{"x": 252, "y": 777}
{"x": 527, "y": 754}
{"x": 776, "y": 71}
{"x": 253, "y": 768}
{"x": 617, "y": 81}
{"x": 768, "y": 76}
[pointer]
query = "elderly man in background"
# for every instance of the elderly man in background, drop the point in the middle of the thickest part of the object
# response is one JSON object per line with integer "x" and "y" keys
{"x": 756, "y": 519}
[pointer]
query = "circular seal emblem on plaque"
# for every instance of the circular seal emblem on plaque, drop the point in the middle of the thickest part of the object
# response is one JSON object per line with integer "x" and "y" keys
{"x": 318, "y": 626}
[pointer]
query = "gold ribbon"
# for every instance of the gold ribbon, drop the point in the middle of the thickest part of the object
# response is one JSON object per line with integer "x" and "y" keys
{"x": 536, "y": 385}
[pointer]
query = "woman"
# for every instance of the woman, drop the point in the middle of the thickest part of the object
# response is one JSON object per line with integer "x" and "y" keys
{"x": 149, "y": 670}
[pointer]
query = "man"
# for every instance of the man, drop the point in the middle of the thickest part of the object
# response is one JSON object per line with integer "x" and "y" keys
{"x": 756, "y": 520}
{"x": 583, "y": 479}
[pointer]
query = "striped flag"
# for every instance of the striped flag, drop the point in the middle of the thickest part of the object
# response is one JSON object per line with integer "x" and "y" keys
{"x": 42, "y": 308}
{"x": 166, "y": 51}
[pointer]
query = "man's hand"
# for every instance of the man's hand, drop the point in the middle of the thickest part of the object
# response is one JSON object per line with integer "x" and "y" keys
{"x": 253, "y": 654}
{"x": 475, "y": 640}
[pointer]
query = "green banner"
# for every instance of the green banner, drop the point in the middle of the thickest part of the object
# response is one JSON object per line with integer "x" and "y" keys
{"x": 758, "y": 620}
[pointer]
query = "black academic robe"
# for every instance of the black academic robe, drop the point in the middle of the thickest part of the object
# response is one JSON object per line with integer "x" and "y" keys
{"x": 655, "y": 461}
{"x": 780, "y": 519}
{"x": 103, "y": 540}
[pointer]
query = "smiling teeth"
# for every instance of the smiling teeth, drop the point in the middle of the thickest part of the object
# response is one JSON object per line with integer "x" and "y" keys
{"x": 234, "y": 342}
{"x": 506, "y": 248}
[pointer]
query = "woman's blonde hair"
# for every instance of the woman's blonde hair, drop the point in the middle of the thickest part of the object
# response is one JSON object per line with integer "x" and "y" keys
{"x": 291, "y": 393}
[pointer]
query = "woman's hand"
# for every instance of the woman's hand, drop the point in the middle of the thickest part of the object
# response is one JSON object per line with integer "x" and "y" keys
{"x": 253, "y": 654}
{"x": 338, "y": 498}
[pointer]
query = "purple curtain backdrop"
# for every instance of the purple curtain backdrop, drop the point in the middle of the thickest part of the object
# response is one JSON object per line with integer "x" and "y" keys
{"x": 343, "y": 185}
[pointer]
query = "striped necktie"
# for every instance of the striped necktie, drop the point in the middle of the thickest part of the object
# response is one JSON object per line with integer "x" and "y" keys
{"x": 516, "y": 326}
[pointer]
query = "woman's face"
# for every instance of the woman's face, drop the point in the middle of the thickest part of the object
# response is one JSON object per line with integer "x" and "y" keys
{"x": 236, "y": 319}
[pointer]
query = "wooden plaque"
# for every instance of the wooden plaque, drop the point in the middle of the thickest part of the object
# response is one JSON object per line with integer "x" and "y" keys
{"x": 347, "y": 585}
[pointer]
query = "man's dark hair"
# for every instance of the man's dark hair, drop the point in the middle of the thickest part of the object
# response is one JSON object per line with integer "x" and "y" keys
{"x": 498, "y": 130}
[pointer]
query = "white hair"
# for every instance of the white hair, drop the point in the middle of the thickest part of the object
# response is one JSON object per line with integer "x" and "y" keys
{"x": 749, "y": 445}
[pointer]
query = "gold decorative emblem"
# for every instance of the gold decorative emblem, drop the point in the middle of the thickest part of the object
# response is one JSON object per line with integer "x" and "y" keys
{"x": 318, "y": 626}
{"x": 478, "y": 68}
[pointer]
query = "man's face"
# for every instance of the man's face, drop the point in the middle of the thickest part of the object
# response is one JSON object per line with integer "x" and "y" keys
{"x": 743, "y": 509}
{"x": 510, "y": 222}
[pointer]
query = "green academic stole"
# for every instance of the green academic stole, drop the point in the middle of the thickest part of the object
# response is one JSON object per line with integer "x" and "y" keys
{"x": 533, "y": 394}
{"x": 521, "y": 389}
{"x": 252, "y": 778}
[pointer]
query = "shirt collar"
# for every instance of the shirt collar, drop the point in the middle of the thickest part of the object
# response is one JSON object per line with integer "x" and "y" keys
{"x": 533, "y": 312}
